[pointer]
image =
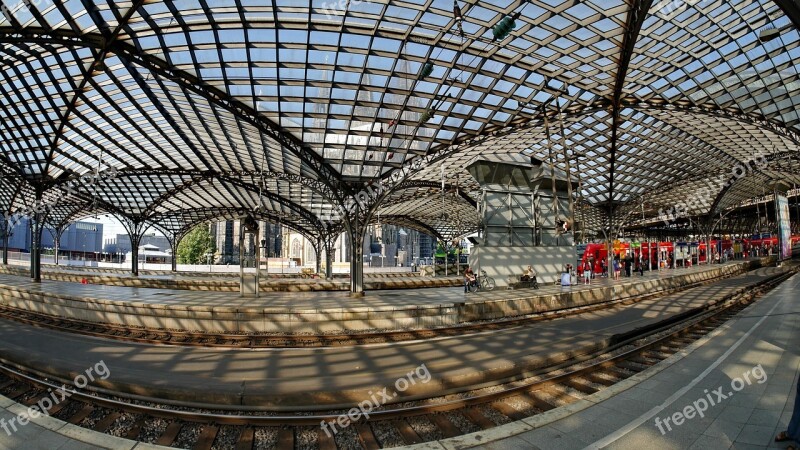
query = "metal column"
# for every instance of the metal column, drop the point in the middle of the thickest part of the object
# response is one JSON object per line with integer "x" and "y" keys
{"x": 6, "y": 231}
{"x": 37, "y": 227}
{"x": 56, "y": 245}
{"x": 327, "y": 242}
{"x": 355, "y": 233}
{"x": 318, "y": 256}
{"x": 249, "y": 281}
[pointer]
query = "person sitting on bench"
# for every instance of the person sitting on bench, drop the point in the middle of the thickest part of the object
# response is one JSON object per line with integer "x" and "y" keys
{"x": 528, "y": 275}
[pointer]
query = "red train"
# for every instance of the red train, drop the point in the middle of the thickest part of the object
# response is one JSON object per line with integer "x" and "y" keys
{"x": 681, "y": 254}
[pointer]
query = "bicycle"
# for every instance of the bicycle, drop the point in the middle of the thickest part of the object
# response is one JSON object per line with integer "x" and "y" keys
{"x": 484, "y": 281}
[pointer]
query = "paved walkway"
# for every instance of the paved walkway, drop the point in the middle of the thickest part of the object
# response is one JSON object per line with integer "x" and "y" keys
{"x": 229, "y": 283}
{"x": 318, "y": 299}
{"x": 633, "y": 414}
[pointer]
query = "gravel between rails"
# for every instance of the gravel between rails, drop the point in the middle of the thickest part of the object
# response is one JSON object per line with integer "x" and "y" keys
{"x": 124, "y": 423}
{"x": 306, "y": 438}
{"x": 69, "y": 410}
{"x": 226, "y": 438}
{"x": 9, "y": 389}
{"x": 91, "y": 419}
{"x": 266, "y": 438}
{"x": 425, "y": 428}
{"x": 33, "y": 393}
{"x": 347, "y": 439}
{"x": 187, "y": 436}
{"x": 519, "y": 403}
{"x": 387, "y": 435}
{"x": 493, "y": 415}
{"x": 461, "y": 422}
{"x": 152, "y": 430}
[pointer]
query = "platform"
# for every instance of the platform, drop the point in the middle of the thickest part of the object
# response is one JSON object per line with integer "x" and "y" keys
{"x": 229, "y": 282}
{"x": 319, "y": 312}
{"x": 624, "y": 416}
{"x": 322, "y": 378}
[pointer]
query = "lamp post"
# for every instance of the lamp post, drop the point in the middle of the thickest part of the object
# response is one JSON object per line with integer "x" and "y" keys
{"x": 266, "y": 255}
{"x": 413, "y": 244}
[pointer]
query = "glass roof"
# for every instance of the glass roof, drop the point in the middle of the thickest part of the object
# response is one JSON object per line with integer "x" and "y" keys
{"x": 194, "y": 102}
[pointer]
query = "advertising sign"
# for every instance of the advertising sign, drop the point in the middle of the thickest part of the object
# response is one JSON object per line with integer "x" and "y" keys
{"x": 784, "y": 227}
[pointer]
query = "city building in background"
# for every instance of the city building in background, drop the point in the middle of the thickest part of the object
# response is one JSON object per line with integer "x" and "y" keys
{"x": 121, "y": 243}
{"x": 80, "y": 240}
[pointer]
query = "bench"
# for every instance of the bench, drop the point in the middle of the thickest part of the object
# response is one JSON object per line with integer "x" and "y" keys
{"x": 307, "y": 272}
{"x": 426, "y": 271}
{"x": 515, "y": 283}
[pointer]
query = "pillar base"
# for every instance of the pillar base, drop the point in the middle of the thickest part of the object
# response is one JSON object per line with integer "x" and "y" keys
{"x": 357, "y": 294}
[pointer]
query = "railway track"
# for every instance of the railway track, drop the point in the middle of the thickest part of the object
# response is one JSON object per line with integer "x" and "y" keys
{"x": 396, "y": 425}
{"x": 153, "y": 336}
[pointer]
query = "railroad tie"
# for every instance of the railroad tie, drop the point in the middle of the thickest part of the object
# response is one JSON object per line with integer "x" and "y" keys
{"x": 246, "y": 438}
{"x": 170, "y": 434}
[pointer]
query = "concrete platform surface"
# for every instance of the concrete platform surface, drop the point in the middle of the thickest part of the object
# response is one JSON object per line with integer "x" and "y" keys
{"x": 324, "y": 377}
{"x": 328, "y": 311}
{"x": 318, "y": 300}
{"x": 197, "y": 281}
{"x": 759, "y": 345}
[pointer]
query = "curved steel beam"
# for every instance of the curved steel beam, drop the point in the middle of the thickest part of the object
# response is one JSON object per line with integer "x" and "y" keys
{"x": 212, "y": 214}
{"x": 439, "y": 153}
{"x": 413, "y": 184}
{"x": 633, "y": 26}
{"x": 301, "y": 211}
{"x": 131, "y": 54}
{"x": 750, "y": 119}
{"x": 409, "y": 222}
{"x": 237, "y": 108}
{"x": 792, "y": 10}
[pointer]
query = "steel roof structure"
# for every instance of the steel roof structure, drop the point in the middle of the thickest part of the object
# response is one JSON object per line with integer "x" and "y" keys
{"x": 326, "y": 116}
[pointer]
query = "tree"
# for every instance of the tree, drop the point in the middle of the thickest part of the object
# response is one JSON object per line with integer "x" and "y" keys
{"x": 193, "y": 247}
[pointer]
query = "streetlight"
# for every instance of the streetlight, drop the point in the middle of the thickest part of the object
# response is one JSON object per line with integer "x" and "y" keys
{"x": 266, "y": 255}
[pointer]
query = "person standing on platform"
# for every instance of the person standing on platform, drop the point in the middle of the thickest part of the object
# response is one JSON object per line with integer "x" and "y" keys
{"x": 616, "y": 268}
{"x": 793, "y": 432}
{"x": 469, "y": 277}
{"x": 587, "y": 272}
